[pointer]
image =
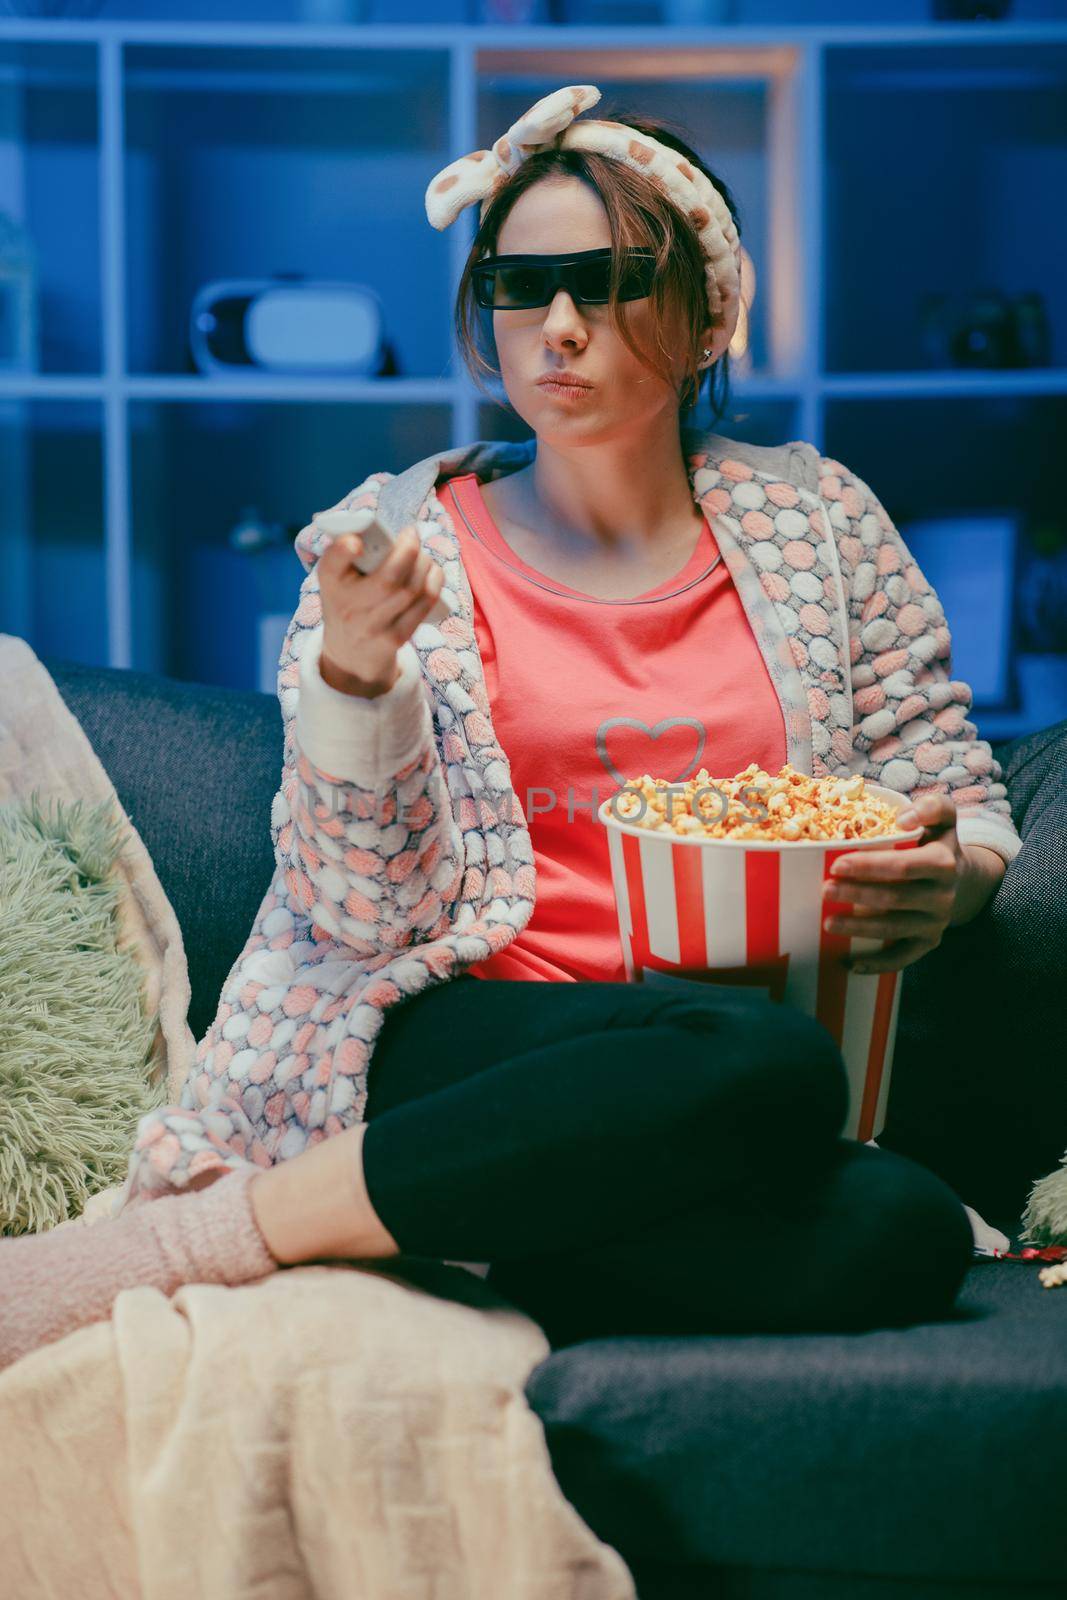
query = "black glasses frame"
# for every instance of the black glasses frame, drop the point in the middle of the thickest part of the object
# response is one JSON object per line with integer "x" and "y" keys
{"x": 560, "y": 272}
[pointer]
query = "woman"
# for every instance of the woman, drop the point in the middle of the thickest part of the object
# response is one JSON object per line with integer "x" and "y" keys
{"x": 614, "y": 1153}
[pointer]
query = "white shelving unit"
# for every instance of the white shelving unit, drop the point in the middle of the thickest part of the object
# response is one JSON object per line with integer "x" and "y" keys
{"x": 148, "y": 158}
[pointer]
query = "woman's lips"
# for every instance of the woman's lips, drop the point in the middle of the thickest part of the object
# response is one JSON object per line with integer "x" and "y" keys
{"x": 565, "y": 391}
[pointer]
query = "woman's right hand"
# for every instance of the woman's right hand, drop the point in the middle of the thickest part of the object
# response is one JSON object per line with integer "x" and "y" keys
{"x": 368, "y": 616}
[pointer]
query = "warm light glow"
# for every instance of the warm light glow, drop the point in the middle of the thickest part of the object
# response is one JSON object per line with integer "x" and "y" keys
{"x": 739, "y": 343}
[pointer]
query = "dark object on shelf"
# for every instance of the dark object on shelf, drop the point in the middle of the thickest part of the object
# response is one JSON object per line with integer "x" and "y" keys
{"x": 1041, "y": 606}
{"x": 983, "y": 330}
{"x": 969, "y": 10}
{"x": 1042, "y": 591}
{"x": 50, "y": 8}
{"x": 982, "y": 336}
{"x": 1033, "y": 336}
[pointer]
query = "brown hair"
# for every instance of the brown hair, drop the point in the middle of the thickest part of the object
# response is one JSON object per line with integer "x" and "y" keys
{"x": 639, "y": 213}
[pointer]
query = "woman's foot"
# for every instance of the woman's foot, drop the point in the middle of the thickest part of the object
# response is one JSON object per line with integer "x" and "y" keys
{"x": 52, "y": 1283}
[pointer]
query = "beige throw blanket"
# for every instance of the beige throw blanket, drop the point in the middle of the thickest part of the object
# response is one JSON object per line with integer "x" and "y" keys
{"x": 330, "y": 1431}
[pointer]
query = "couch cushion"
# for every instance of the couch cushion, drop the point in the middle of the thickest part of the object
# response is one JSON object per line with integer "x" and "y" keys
{"x": 197, "y": 769}
{"x": 935, "y": 1451}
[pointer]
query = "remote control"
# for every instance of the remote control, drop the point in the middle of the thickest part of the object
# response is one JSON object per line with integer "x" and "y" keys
{"x": 377, "y": 543}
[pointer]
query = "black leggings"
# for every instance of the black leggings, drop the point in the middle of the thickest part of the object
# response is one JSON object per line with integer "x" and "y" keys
{"x": 637, "y": 1161}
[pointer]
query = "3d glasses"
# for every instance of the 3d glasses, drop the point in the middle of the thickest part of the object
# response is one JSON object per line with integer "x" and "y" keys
{"x": 515, "y": 283}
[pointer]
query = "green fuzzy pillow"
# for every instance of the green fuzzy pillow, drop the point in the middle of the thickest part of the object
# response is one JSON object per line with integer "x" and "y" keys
{"x": 75, "y": 1042}
{"x": 1045, "y": 1217}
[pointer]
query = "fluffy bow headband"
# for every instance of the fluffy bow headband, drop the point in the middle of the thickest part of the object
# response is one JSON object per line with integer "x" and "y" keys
{"x": 551, "y": 122}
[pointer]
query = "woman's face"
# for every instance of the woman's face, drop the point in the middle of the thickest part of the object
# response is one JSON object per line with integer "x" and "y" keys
{"x": 556, "y": 216}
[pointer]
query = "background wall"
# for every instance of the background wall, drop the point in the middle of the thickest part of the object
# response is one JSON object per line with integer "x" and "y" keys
{"x": 900, "y": 171}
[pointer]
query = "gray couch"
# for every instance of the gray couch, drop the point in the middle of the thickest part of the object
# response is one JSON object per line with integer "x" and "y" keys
{"x": 919, "y": 1462}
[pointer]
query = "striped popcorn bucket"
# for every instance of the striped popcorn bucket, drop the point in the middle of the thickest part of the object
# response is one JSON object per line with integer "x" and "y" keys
{"x": 750, "y": 913}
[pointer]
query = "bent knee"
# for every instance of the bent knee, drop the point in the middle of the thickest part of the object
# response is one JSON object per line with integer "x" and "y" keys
{"x": 799, "y": 1074}
{"x": 791, "y": 1076}
{"x": 912, "y": 1243}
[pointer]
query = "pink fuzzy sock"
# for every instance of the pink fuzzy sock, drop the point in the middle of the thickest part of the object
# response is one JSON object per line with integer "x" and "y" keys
{"x": 52, "y": 1283}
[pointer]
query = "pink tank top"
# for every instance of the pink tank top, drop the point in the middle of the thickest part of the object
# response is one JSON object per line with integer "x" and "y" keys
{"x": 586, "y": 693}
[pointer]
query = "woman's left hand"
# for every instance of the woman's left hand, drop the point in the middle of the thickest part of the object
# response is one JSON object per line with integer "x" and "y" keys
{"x": 906, "y": 897}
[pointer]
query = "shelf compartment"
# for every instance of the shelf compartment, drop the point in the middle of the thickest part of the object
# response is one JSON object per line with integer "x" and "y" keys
{"x": 247, "y": 162}
{"x": 198, "y": 604}
{"x": 948, "y": 133}
{"x": 926, "y": 457}
{"x": 50, "y": 187}
{"x": 54, "y": 590}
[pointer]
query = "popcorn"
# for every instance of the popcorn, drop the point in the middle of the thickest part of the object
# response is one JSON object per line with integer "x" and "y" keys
{"x": 755, "y": 805}
{"x": 706, "y": 891}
